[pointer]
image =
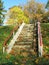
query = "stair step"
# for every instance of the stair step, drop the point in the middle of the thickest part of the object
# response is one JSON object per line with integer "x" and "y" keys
{"x": 29, "y": 25}
{"x": 29, "y": 31}
{"x": 26, "y": 36}
{"x": 23, "y": 43}
{"x": 22, "y": 46}
{"x": 25, "y": 39}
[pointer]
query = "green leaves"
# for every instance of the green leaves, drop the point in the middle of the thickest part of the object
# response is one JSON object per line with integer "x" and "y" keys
{"x": 16, "y": 15}
{"x": 1, "y": 11}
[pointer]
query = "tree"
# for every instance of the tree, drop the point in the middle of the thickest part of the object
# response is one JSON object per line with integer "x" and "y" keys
{"x": 16, "y": 15}
{"x": 34, "y": 10}
{"x": 1, "y": 12}
{"x": 45, "y": 17}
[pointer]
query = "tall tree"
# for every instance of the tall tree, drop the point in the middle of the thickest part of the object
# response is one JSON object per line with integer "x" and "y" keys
{"x": 16, "y": 15}
{"x": 1, "y": 12}
{"x": 34, "y": 10}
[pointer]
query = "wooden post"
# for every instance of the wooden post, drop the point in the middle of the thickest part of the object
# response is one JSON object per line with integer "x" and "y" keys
{"x": 3, "y": 49}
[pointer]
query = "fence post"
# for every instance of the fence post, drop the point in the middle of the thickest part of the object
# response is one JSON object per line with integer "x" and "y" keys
{"x": 3, "y": 49}
{"x": 40, "y": 44}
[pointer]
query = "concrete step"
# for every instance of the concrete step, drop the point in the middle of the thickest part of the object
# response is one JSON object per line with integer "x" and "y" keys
{"x": 28, "y": 28}
{"x": 25, "y": 39}
{"x": 23, "y": 43}
{"x": 26, "y": 36}
{"x": 21, "y": 46}
{"x": 29, "y": 25}
{"x": 26, "y": 33}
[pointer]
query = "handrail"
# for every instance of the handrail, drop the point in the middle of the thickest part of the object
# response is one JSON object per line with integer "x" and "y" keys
{"x": 6, "y": 40}
{"x": 40, "y": 43}
{"x": 12, "y": 42}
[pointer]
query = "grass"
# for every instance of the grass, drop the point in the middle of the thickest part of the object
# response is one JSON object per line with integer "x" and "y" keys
{"x": 4, "y": 33}
{"x": 45, "y": 36}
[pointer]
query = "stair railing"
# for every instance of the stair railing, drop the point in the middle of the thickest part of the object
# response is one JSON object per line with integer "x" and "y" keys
{"x": 8, "y": 38}
{"x": 40, "y": 43}
{"x": 12, "y": 42}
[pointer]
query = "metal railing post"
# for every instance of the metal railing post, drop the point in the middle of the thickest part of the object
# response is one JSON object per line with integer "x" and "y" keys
{"x": 40, "y": 44}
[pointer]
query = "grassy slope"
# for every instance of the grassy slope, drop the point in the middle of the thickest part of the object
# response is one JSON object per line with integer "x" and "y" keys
{"x": 4, "y": 32}
{"x": 8, "y": 59}
{"x": 45, "y": 35}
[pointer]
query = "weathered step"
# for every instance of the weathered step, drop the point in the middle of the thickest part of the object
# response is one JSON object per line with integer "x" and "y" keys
{"x": 27, "y": 35}
{"x": 29, "y": 25}
{"x": 29, "y": 31}
{"x": 25, "y": 39}
{"x": 23, "y": 43}
{"x": 24, "y": 33}
{"x": 28, "y": 28}
{"x": 22, "y": 46}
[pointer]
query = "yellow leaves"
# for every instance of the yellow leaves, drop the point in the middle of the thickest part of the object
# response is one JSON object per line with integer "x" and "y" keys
{"x": 15, "y": 15}
{"x": 47, "y": 47}
{"x": 10, "y": 21}
{"x": 34, "y": 10}
{"x": 46, "y": 56}
{"x": 8, "y": 56}
{"x": 15, "y": 8}
{"x": 36, "y": 61}
{"x": 38, "y": 16}
{"x": 22, "y": 64}
{"x": 16, "y": 63}
{"x": 25, "y": 54}
{"x": 12, "y": 52}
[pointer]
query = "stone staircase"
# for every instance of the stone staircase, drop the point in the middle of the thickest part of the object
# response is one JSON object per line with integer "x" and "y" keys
{"x": 25, "y": 39}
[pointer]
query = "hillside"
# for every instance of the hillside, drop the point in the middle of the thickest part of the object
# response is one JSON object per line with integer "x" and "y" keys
{"x": 45, "y": 36}
{"x": 4, "y": 33}
{"x": 17, "y": 59}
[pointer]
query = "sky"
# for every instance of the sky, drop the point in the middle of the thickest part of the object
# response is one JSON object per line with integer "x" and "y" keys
{"x": 10, "y": 3}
